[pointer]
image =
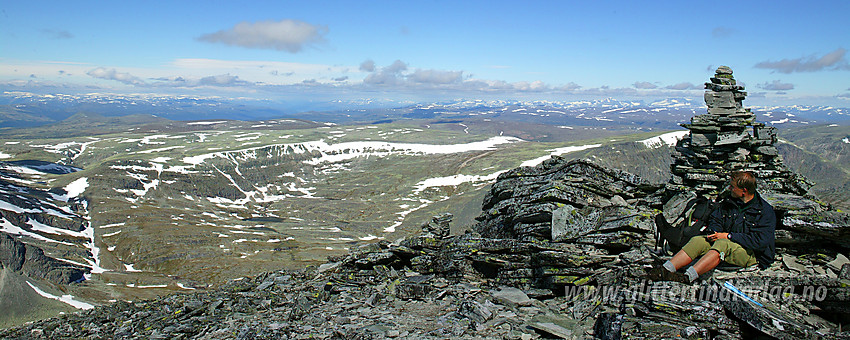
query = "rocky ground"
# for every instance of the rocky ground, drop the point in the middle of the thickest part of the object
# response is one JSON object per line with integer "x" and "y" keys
{"x": 345, "y": 300}
{"x": 589, "y": 283}
{"x": 290, "y": 305}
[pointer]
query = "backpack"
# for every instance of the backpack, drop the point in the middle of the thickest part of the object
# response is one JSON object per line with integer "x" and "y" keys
{"x": 691, "y": 219}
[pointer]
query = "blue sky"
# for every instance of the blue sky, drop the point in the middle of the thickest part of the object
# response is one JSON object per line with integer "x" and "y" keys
{"x": 784, "y": 52}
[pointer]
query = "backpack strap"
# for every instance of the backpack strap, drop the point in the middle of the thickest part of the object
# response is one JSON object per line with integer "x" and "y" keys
{"x": 661, "y": 225}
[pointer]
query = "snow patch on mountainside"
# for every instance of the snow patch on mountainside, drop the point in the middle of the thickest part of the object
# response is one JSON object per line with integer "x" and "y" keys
{"x": 667, "y": 139}
{"x": 558, "y": 152}
{"x": 69, "y": 299}
{"x": 454, "y": 181}
{"x": 76, "y": 187}
{"x": 9, "y": 228}
{"x": 332, "y": 153}
{"x": 207, "y": 123}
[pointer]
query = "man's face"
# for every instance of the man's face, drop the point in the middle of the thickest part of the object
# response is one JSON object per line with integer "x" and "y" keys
{"x": 736, "y": 191}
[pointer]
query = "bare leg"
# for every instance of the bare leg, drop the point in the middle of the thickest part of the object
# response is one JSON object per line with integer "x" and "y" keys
{"x": 681, "y": 259}
{"x": 707, "y": 262}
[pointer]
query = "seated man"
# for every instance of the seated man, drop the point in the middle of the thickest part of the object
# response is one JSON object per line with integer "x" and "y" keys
{"x": 744, "y": 228}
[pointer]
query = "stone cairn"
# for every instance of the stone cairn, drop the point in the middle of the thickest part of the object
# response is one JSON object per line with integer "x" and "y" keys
{"x": 439, "y": 226}
{"x": 728, "y": 139}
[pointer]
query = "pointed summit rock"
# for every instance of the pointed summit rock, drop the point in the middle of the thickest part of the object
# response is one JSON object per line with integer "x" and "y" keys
{"x": 728, "y": 138}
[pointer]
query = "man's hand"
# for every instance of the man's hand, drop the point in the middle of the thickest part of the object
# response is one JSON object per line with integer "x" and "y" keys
{"x": 716, "y": 236}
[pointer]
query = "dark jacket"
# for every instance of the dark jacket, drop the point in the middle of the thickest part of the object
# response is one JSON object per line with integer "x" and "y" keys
{"x": 751, "y": 224}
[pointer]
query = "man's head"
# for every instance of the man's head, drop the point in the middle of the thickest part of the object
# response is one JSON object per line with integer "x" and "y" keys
{"x": 742, "y": 185}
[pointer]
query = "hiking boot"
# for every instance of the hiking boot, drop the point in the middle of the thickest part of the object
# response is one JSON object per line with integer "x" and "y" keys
{"x": 655, "y": 255}
{"x": 678, "y": 277}
{"x": 658, "y": 273}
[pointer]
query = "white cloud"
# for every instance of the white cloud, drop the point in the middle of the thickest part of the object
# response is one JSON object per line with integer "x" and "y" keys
{"x": 534, "y": 86}
{"x": 683, "y": 86}
{"x": 285, "y": 35}
{"x": 173, "y": 81}
{"x": 776, "y": 85}
{"x": 486, "y": 85}
{"x": 267, "y": 72}
{"x": 569, "y": 87}
{"x": 609, "y": 92}
{"x": 436, "y": 77}
{"x": 397, "y": 66}
{"x": 112, "y": 74}
{"x": 390, "y": 75}
{"x": 367, "y": 66}
{"x": 644, "y": 85}
{"x": 832, "y": 61}
{"x": 221, "y": 80}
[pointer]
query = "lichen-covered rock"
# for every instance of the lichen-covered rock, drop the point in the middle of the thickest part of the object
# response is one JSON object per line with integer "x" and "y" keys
{"x": 524, "y": 202}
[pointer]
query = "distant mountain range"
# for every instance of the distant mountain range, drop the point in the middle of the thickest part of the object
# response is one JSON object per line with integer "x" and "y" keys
{"x": 23, "y": 109}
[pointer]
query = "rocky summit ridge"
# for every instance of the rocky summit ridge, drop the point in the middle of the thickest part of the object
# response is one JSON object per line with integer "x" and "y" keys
{"x": 560, "y": 250}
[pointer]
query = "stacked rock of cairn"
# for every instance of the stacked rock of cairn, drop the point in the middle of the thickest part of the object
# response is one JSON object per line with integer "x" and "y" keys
{"x": 439, "y": 225}
{"x": 728, "y": 139}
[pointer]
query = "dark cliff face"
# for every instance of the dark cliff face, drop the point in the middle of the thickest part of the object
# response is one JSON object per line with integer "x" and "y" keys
{"x": 12, "y": 252}
{"x": 28, "y": 210}
{"x": 31, "y": 261}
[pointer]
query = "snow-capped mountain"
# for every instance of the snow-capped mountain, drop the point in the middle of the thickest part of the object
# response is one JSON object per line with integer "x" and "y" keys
{"x": 28, "y": 109}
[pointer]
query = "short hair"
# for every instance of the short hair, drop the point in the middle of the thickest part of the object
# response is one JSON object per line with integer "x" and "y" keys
{"x": 744, "y": 180}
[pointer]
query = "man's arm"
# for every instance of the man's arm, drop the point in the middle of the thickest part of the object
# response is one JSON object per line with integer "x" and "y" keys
{"x": 715, "y": 221}
{"x": 760, "y": 235}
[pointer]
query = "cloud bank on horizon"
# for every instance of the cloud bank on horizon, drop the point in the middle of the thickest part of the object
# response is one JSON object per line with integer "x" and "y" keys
{"x": 832, "y": 61}
{"x": 424, "y": 51}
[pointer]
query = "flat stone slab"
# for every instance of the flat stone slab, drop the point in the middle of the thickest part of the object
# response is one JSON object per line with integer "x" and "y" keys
{"x": 791, "y": 262}
{"x": 839, "y": 262}
{"x": 512, "y": 296}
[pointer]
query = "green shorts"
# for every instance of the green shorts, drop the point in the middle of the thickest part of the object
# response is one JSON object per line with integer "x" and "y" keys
{"x": 730, "y": 252}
